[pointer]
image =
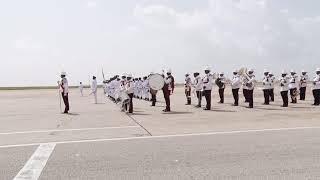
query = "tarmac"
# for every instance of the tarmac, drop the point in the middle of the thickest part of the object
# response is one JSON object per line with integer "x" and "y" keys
{"x": 97, "y": 141}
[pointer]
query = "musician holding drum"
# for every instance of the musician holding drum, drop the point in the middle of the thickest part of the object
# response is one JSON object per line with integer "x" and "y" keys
{"x": 129, "y": 90}
{"x": 293, "y": 86}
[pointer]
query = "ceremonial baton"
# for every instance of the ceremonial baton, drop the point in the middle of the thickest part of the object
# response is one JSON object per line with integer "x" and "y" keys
{"x": 59, "y": 96}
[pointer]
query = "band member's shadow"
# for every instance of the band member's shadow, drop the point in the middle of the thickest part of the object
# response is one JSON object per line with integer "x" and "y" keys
{"x": 221, "y": 110}
{"x": 177, "y": 112}
{"x": 268, "y": 109}
{"x": 72, "y": 114}
{"x": 301, "y": 107}
{"x": 136, "y": 113}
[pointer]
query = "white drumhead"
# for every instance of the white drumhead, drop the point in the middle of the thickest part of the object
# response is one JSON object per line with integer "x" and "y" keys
{"x": 156, "y": 82}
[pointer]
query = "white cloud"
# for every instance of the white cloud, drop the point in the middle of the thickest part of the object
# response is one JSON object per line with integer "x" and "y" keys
{"x": 92, "y": 4}
{"x": 247, "y": 32}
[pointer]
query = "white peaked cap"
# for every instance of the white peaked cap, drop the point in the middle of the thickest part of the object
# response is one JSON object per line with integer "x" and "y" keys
{"x": 124, "y": 74}
{"x": 129, "y": 75}
{"x": 169, "y": 71}
{"x": 304, "y": 71}
{"x": 221, "y": 72}
{"x": 283, "y": 72}
{"x": 250, "y": 70}
{"x": 63, "y": 73}
{"x": 318, "y": 69}
{"x": 235, "y": 70}
{"x": 293, "y": 71}
{"x": 187, "y": 73}
{"x": 265, "y": 71}
{"x": 207, "y": 68}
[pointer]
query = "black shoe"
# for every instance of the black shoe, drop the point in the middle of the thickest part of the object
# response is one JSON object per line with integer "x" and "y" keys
{"x": 284, "y": 106}
{"x": 207, "y": 109}
{"x": 198, "y": 106}
{"x": 250, "y": 107}
{"x": 235, "y": 105}
{"x": 166, "y": 110}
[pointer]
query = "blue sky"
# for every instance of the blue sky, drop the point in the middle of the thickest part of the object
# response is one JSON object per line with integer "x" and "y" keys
{"x": 40, "y": 38}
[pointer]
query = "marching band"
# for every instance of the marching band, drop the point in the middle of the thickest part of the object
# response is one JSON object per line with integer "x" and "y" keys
{"x": 123, "y": 90}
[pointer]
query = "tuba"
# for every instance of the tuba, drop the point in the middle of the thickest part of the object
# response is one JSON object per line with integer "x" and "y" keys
{"x": 243, "y": 73}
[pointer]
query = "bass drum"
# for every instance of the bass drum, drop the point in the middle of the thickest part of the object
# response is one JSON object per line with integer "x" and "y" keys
{"x": 156, "y": 82}
{"x": 123, "y": 97}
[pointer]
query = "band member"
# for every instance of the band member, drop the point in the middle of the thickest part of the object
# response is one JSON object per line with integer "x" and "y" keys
{"x": 266, "y": 86}
{"x": 64, "y": 90}
{"x": 250, "y": 86}
{"x": 207, "y": 87}
{"x": 304, "y": 78}
{"x": 198, "y": 86}
{"x": 187, "y": 86}
{"x": 316, "y": 88}
{"x": 272, "y": 82}
{"x": 168, "y": 90}
{"x": 146, "y": 89}
{"x": 94, "y": 88}
{"x": 235, "y": 85}
{"x": 293, "y": 87}
{"x": 244, "y": 90}
{"x": 153, "y": 94}
{"x": 81, "y": 89}
{"x": 220, "y": 81}
{"x": 129, "y": 89}
{"x": 139, "y": 88}
{"x": 284, "y": 88}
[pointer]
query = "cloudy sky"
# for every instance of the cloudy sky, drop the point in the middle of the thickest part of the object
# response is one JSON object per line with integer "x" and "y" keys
{"x": 40, "y": 38}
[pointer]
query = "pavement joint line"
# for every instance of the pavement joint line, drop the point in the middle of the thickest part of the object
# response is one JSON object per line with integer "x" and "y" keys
{"x": 164, "y": 136}
{"x": 34, "y": 166}
{"x": 139, "y": 124}
{"x": 66, "y": 130}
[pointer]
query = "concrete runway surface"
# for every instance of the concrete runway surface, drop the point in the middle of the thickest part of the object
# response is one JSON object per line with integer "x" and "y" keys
{"x": 97, "y": 141}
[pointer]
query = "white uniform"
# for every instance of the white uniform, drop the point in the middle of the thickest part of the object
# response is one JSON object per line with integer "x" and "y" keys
{"x": 304, "y": 80}
{"x": 207, "y": 82}
{"x": 284, "y": 84}
{"x": 316, "y": 82}
{"x": 146, "y": 89}
{"x": 272, "y": 79}
{"x": 250, "y": 82}
{"x": 94, "y": 88}
{"x": 130, "y": 87}
{"x": 236, "y": 82}
{"x": 266, "y": 83}
{"x": 81, "y": 89}
{"x": 140, "y": 89}
{"x": 198, "y": 84}
{"x": 293, "y": 82}
{"x": 64, "y": 86}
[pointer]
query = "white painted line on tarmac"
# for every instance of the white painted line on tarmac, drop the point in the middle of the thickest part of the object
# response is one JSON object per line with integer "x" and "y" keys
{"x": 167, "y": 136}
{"x": 66, "y": 130}
{"x": 33, "y": 168}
